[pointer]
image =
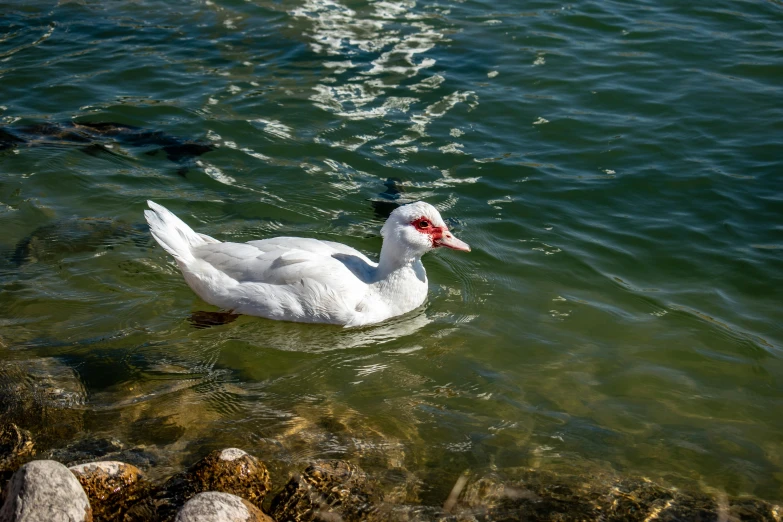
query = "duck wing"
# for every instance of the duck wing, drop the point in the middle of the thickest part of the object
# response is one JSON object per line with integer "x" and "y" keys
{"x": 316, "y": 246}
{"x": 282, "y": 261}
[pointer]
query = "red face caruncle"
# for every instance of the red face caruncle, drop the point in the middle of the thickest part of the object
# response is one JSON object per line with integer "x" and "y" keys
{"x": 425, "y": 226}
{"x": 440, "y": 236}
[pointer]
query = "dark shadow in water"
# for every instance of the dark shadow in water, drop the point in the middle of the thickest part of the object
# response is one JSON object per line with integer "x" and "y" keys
{"x": 317, "y": 338}
{"x": 74, "y": 235}
{"x": 389, "y": 198}
{"x": 91, "y": 138}
{"x": 97, "y": 150}
{"x": 383, "y": 209}
{"x": 8, "y": 140}
{"x": 203, "y": 319}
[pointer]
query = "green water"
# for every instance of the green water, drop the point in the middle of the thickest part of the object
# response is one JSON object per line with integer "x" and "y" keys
{"x": 617, "y": 168}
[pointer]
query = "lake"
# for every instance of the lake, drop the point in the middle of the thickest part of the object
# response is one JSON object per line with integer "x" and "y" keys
{"x": 616, "y": 167}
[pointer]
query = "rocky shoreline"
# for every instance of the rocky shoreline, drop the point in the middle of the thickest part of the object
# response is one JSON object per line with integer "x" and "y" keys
{"x": 231, "y": 485}
{"x": 54, "y": 467}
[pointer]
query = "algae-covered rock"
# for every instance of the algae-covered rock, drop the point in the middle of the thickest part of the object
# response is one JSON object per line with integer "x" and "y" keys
{"x": 754, "y": 509}
{"x": 228, "y": 471}
{"x": 326, "y": 490}
{"x": 111, "y": 486}
{"x": 214, "y": 506}
{"x": 16, "y": 447}
{"x": 45, "y": 490}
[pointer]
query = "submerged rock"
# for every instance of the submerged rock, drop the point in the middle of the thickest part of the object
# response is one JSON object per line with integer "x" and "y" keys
{"x": 111, "y": 486}
{"x": 45, "y": 490}
{"x": 213, "y": 506}
{"x": 86, "y": 448}
{"x": 44, "y": 396}
{"x": 542, "y": 496}
{"x": 228, "y": 471}
{"x": 327, "y": 490}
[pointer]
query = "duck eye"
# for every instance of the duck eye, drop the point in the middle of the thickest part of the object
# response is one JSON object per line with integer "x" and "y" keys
{"x": 424, "y": 224}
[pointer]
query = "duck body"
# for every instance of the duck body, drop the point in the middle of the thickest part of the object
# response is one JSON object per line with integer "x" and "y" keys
{"x": 309, "y": 280}
{"x": 301, "y": 279}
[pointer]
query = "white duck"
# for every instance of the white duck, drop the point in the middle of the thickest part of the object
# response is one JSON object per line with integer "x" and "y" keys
{"x": 309, "y": 280}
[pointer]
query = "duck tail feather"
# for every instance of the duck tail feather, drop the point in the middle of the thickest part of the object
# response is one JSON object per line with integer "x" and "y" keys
{"x": 172, "y": 233}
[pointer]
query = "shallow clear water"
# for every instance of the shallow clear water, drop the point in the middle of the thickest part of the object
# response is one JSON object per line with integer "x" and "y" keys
{"x": 617, "y": 168}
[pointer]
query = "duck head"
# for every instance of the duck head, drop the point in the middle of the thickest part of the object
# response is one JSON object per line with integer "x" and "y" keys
{"x": 417, "y": 228}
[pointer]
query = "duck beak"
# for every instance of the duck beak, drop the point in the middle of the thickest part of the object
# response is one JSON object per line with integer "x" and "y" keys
{"x": 449, "y": 241}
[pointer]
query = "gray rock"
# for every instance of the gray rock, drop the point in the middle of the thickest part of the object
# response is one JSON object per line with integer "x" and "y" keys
{"x": 45, "y": 490}
{"x": 213, "y": 506}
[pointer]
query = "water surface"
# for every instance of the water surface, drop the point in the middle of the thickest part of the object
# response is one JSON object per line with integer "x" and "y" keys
{"x": 615, "y": 166}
